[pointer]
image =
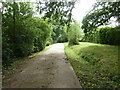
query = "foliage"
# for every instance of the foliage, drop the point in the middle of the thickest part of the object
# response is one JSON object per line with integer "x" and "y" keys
{"x": 22, "y": 33}
{"x": 60, "y": 34}
{"x": 63, "y": 37}
{"x": 105, "y": 35}
{"x": 42, "y": 30}
{"x": 59, "y": 14}
{"x": 96, "y": 65}
{"x": 12, "y": 27}
{"x": 101, "y": 14}
{"x": 12, "y": 69}
{"x": 73, "y": 34}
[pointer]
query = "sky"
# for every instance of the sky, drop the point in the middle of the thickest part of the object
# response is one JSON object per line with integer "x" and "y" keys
{"x": 84, "y": 6}
{"x": 81, "y": 9}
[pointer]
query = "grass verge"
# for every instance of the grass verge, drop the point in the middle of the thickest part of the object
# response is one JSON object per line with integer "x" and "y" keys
{"x": 96, "y": 65}
{"x": 6, "y": 73}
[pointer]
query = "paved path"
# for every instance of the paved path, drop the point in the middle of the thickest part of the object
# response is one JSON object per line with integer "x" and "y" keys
{"x": 50, "y": 69}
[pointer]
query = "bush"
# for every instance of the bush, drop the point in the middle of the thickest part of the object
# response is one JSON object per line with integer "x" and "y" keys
{"x": 105, "y": 35}
{"x": 109, "y": 35}
{"x": 30, "y": 36}
{"x": 59, "y": 34}
{"x": 73, "y": 34}
{"x": 42, "y": 33}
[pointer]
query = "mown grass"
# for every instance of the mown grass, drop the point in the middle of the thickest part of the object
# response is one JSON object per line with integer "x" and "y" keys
{"x": 6, "y": 73}
{"x": 96, "y": 65}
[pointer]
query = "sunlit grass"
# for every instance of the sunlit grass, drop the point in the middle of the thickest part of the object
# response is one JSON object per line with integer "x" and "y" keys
{"x": 96, "y": 65}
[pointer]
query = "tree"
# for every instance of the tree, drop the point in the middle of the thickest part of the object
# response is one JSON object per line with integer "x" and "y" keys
{"x": 15, "y": 41}
{"x": 74, "y": 34}
{"x": 59, "y": 14}
{"x": 100, "y": 15}
{"x": 22, "y": 34}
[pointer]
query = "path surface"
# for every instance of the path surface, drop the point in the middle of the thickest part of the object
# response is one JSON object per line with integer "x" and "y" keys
{"x": 50, "y": 69}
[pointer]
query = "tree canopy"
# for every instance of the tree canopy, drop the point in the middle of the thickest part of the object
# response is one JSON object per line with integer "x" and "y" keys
{"x": 60, "y": 12}
{"x": 22, "y": 33}
{"x": 101, "y": 14}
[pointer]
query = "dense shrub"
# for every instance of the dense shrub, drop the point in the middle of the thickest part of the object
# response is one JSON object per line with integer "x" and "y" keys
{"x": 63, "y": 37}
{"x": 42, "y": 34}
{"x": 30, "y": 38}
{"x": 14, "y": 34}
{"x": 24, "y": 34}
{"x": 59, "y": 34}
{"x": 105, "y": 35}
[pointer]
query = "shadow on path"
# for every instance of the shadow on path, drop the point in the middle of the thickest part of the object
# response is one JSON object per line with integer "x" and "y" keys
{"x": 47, "y": 70}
